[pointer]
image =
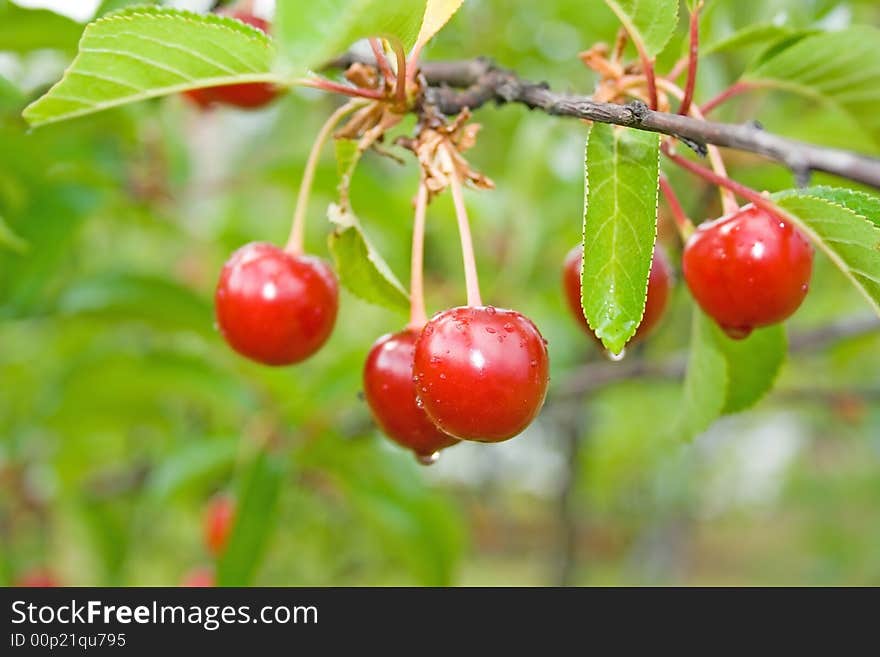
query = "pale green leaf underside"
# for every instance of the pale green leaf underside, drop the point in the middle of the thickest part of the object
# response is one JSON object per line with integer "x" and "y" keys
{"x": 311, "y": 33}
{"x": 849, "y": 239}
{"x": 842, "y": 68}
{"x": 652, "y": 22}
{"x": 705, "y": 384}
{"x": 361, "y": 269}
{"x": 726, "y": 376}
{"x": 145, "y": 52}
{"x": 753, "y": 365}
{"x": 620, "y": 226}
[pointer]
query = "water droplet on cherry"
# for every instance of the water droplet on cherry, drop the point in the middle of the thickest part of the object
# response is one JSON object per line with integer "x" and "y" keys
{"x": 428, "y": 459}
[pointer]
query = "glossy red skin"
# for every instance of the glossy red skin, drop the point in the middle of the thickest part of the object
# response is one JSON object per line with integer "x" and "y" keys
{"x": 748, "y": 270}
{"x": 219, "y": 517}
{"x": 481, "y": 373}
{"x": 391, "y": 395}
{"x": 659, "y": 287}
{"x": 248, "y": 96}
{"x": 274, "y": 307}
{"x": 38, "y": 578}
{"x": 199, "y": 578}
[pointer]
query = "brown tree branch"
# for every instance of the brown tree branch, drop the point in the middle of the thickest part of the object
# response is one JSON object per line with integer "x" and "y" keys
{"x": 471, "y": 84}
{"x": 456, "y": 85}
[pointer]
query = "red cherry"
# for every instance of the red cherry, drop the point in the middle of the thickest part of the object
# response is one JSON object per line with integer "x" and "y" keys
{"x": 274, "y": 307}
{"x": 249, "y": 95}
{"x": 37, "y": 578}
{"x": 199, "y": 578}
{"x": 391, "y": 395}
{"x": 659, "y": 286}
{"x": 748, "y": 270}
{"x": 481, "y": 373}
{"x": 219, "y": 517}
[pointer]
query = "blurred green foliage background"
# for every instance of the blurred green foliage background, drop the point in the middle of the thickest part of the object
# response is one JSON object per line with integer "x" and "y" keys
{"x": 122, "y": 412}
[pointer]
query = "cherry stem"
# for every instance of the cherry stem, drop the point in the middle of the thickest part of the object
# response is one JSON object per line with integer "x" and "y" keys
{"x": 417, "y": 315}
{"x": 336, "y": 88}
{"x": 731, "y": 91}
{"x": 400, "y": 93}
{"x": 647, "y": 70}
{"x": 693, "y": 58}
{"x": 298, "y": 227}
{"x": 472, "y": 282}
{"x": 381, "y": 60}
{"x": 677, "y": 69}
{"x": 728, "y": 201}
{"x": 722, "y": 181}
{"x": 685, "y": 226}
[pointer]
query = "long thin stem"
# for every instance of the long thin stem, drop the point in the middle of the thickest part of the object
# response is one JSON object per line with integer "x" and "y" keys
{"x": 693, "y": 59}
{"x": 400, "y": 92}
{"x": 417, "y": 315}
{"x": 472, "y": 282}
{"x": 648, "y": 67}
{"x": 731, "y": 91}
{"x": 684, "y": 225}
{"x": 728, "y": 202}
{"x": 345, "y": 90}
{"x": 381, "y": 60}
{"x": 298, "y": 225}
{"x": 722, "y": 181}
{"x": 677, "y": 69}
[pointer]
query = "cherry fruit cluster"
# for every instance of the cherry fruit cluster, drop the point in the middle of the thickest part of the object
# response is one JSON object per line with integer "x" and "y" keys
{"x": 478, "y": 373}
{"x": 471, "y": 373}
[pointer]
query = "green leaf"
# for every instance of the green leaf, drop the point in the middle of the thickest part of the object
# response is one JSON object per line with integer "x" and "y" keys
{"x": 109, "y": 6}
{"x": 726, "y": 376}
{"x": 9, "y": 240}
{"x": 753, "y": 365}
{"x": 751, "y": 35}
{"x": 146, "y": 298}
{"x": 705, "y": 384}
{"x": 256, "y": 517}
{"x": 437, "y": 14}
{"x": 145, "y": 52}
{"x": 851, "y": 241}
{"x": 192, "y": 463}
{"x": 311, "y": 33}
{"x": 841, "y": 68}
{"x": 651, "y": 23}
{"x": 361, "y": 269}
{"x": 23, "y": 30}
{"x": 863, "y": 204}
{"x": 620, "y": 224}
